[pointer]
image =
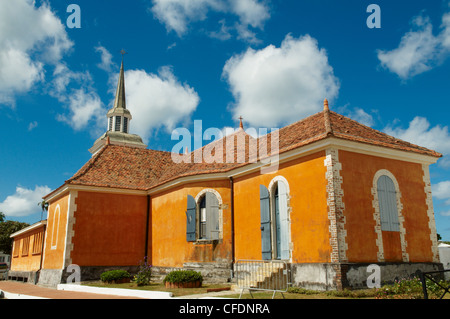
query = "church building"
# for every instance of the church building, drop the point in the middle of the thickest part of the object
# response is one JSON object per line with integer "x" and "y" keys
{"x": 343, "y": 196}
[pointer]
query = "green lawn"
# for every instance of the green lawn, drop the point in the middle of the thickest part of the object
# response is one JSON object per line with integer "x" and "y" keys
{"x": 177, "y": 292}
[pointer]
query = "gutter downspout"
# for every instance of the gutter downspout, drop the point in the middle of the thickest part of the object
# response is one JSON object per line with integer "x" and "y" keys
{"x": 232, "y": 227}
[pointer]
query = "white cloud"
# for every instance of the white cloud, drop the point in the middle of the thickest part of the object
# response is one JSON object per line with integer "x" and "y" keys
{"x": 250, "y": 12}
{"x": 361, "y": 116}
{"x": 32, "y": 125}
{"x": 421, "y": 133}
{"x": 24, "y": 201}
{"x": 157, "y": 100}
{"x": 177, "y": 15}
{"x": 275, "y": 86}
{"x": 106, "y": 59}
{"x": 84, "y": 106}
{"x": 441, "y": 190}
{"x": 419, "y": 49}
{"x": 30, "y": 37}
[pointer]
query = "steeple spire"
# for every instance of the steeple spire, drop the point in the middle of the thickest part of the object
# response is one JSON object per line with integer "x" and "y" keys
{"x": 119, "y": 118}
{"x": 120, "y": 101}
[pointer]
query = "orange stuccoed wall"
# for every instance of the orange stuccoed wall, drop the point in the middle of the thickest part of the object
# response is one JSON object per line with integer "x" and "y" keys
{"x": 55, "y": 239}
{"x": 169, "y": 247}
{"x": 358, "y": 171}
{"x": 109, "y": 229}
{"x": 309, "y": 225}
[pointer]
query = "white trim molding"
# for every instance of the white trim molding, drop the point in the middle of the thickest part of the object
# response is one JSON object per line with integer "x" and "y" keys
{"x": 377, "y": 217}
{"x": 55, "y": 231}
{"x": 70, "y": 232}
{"x": 336, "y": 206}
{"x": 430, "y": 213}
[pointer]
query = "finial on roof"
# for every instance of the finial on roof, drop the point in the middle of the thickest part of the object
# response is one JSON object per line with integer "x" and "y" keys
{"x": 325, "y": 105}
{"x": 240, "y": 122}
{"x": 123, "y": 52}
{"x": 327, "y": 120}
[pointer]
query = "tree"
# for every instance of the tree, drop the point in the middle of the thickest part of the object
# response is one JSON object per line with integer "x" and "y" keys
{"x": 44, "y": 207}
{"x": 6, "y": 229}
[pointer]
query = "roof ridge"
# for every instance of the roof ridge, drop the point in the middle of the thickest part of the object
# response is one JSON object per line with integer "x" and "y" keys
{"x": 293, "y": 123}
{"x": 385, "y": 135}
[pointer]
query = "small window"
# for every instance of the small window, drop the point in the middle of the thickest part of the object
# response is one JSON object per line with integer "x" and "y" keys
{"x": 125, "y": 125}
{"x": 25, "y": 246}
{"x": 118, "y": 123}
{"x": 202, "y": 228}
{"x": 203, "y": 218}
{"x": 37, "y": 243}
{"x": 16, "y": 248}
{"x": 110, "y": 127}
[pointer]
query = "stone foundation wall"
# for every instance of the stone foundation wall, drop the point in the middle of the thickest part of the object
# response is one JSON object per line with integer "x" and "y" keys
{"x": 340, "y": 276}
{"x": 211, "y": 272}
{"x": 24, "y": 276}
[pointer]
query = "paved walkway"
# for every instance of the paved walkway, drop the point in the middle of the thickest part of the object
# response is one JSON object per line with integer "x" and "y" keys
{"x": 19, "y": 290}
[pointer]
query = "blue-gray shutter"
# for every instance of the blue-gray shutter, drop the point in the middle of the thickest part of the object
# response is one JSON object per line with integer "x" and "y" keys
{"x": 387, "y": 199}
{"x": 190, "y": 218}
{"x": 284, "y": 222}
{"x": 212, "y": 216}
{"x": 266, "y": 243}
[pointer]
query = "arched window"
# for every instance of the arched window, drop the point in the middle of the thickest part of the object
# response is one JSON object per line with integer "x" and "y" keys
{"x": 203, "y": 217}
{"x": 387, "y": 199}
{"x": 275, "y": 220}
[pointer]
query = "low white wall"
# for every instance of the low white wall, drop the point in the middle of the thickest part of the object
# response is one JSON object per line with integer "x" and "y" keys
{"x": 117, "y": 291}
{"x": 444, "y": 255}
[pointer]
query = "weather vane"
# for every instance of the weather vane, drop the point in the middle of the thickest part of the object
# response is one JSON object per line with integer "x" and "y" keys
{"x": 123, "y": 52}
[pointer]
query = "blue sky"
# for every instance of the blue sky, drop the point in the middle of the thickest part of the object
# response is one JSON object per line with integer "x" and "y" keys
{"x": 195, "y": 60}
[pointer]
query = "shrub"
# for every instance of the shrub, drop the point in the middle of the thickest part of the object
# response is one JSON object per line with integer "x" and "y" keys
{"x": 410, "y": 288}
{"x": 144, "y": 274}
{"x": 114, "y": 275}
{"x": 178, "y": 276}
{"x": 302, "y": 291}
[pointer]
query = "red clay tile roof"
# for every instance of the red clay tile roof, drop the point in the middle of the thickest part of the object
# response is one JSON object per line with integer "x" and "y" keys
{"x": 141, "y": 169}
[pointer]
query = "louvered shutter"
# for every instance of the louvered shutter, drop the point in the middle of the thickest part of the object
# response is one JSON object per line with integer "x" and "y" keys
{"x": 212, "y": 216}
{"x": 284, "y": 222}
{"x": 266, "y": 245}
{"x": 387, "y": 199}
{"x": 190, "y": 218}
